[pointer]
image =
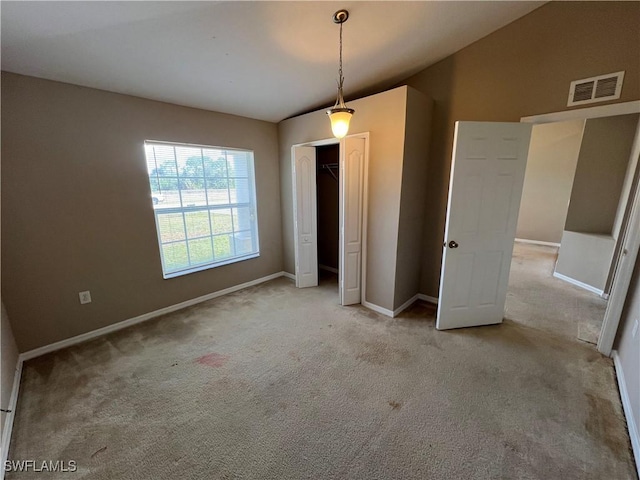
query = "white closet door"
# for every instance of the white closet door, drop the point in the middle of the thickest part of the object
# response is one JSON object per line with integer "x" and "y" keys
{"x": 305, "y": 226}
{"x": 352, "y": 158}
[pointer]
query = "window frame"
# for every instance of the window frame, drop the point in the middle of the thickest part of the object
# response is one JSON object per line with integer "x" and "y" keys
{"x": 182, "y": 210}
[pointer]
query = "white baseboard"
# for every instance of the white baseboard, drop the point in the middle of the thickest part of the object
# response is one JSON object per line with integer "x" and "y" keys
{"x": 141, "y": 318}
{"x": 8, "y": 420}
{"x": 632, "y": 426}
{"x": 401, "y": 308}
{"x": 328, "y": 268}
{"x": 538, "y": 242}
{"x": 405, "y": 305}
{"x": 288, "y": 275}
{"x": 577, "y": 283}
{"x": 427, "y": 298}
{"x": 377, "y": 308}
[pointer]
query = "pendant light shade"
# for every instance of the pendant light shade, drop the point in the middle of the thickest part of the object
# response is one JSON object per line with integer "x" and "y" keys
{"x": 340, "y": 114}
{"x": 340, "y": 118}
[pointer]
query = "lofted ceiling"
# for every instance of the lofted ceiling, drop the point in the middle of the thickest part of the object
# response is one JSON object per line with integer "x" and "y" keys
{"x": 265, "y": 60}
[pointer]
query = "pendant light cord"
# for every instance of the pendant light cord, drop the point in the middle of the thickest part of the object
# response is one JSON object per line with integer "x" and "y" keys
{"x": 340, "y": 99}
{"x": 340, "y": 17}
{"x": 340, "y": 72}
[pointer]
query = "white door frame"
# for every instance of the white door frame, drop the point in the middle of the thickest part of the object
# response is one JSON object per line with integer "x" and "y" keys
{"x": 365, "y": 200}
{"x": 622, "y": 280}
{"x": 631, "y": 240}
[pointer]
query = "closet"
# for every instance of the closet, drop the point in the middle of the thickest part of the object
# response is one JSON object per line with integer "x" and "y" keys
{"x": 388, "y": 153}
{"x": 327, "y": 182}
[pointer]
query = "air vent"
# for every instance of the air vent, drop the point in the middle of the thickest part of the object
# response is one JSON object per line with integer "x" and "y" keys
{"x": 595, "y": 89}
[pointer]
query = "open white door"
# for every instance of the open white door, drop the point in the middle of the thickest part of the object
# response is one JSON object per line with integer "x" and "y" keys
{"x": 485, "y": 188}
{"x": 305, "y": 227}
{"x": 352, "y": 163}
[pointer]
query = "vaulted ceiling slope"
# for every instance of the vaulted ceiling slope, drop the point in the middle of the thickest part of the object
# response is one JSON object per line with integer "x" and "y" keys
{"x": 263, "y": 60}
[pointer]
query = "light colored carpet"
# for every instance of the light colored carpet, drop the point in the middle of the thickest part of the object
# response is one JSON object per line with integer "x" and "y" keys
{"x": 278, "y": 383}
{"x": 536, "y": 299}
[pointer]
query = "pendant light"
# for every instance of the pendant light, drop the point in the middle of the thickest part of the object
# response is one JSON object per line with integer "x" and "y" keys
{"x": 340, "y": 114}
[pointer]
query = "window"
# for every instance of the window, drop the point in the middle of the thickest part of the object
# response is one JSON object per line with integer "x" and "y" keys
{"x": 204, "y": 200}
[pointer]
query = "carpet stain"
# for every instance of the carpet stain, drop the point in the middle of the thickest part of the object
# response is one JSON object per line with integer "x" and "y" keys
{"x": 295, "y": 355}
{"x": 379, "y": 353}
{"x": 601, "y": 422}
{"x": 212, "y": 360}
{"x": 395, "y": 405}
{"x": 431, "y": 341}
{"x": 593, "y": 357}
{"x": 369, "y": 314}
{"x": 100, "y": 450}
{"x": 43, "y": 366}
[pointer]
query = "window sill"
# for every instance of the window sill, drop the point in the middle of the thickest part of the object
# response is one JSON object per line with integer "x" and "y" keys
{"x": 208, "y": 266}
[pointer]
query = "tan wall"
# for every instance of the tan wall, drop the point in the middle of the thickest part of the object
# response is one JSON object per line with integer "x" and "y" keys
{"x": 413, "y": 197}
{"x": 9, "y": 363}
{"x": 586, "y": 257}
{"x": 383, "y": 115}
{"x": 602, "y": 166}
{"x": 76, "y": 210}
{"x": 522, "y": 69}
{"x": 328, "y": 208}
{"x": 551, "y": 166}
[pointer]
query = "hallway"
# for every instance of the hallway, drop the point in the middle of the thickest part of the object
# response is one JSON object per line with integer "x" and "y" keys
{"x": 538, "y": 300}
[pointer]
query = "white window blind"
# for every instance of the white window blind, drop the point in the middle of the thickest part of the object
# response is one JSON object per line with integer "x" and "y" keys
{"x": 204, "y": 200}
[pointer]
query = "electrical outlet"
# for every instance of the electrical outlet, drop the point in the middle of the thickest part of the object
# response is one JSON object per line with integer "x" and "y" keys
{"x": 635, "y": 329}
{"x": 85, "y": 297}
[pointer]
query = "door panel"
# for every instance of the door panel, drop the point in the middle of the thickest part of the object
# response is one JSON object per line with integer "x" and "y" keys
{"x": 352, "y": 158}
{"x": 487, "y": 175}
{"x": 305, "y": 227}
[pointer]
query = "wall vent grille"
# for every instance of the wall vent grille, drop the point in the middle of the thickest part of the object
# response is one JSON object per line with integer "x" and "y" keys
{"x": 595, "y": 89}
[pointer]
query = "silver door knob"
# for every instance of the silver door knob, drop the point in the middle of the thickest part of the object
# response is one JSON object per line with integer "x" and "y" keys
{"x": 453, "y": 244}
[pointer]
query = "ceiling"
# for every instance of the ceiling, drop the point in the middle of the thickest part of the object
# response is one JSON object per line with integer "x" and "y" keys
{"x": 263, "y": 60}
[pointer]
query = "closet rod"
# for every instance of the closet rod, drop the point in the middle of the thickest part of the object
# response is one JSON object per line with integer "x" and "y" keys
{"x": 329, "y": 168}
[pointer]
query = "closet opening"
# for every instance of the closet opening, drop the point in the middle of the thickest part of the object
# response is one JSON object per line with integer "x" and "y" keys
{"x": 328, "y": 213}
{"x": 350, "y": 179}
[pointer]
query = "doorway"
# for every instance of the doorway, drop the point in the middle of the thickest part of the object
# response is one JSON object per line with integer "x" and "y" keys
{"x": 537, "y": 299}
{"x": 310, "y": 217}
{"x": 470, "y": 290}
{"x": 571, "y": 222}
{"x": 328, "y": 212}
